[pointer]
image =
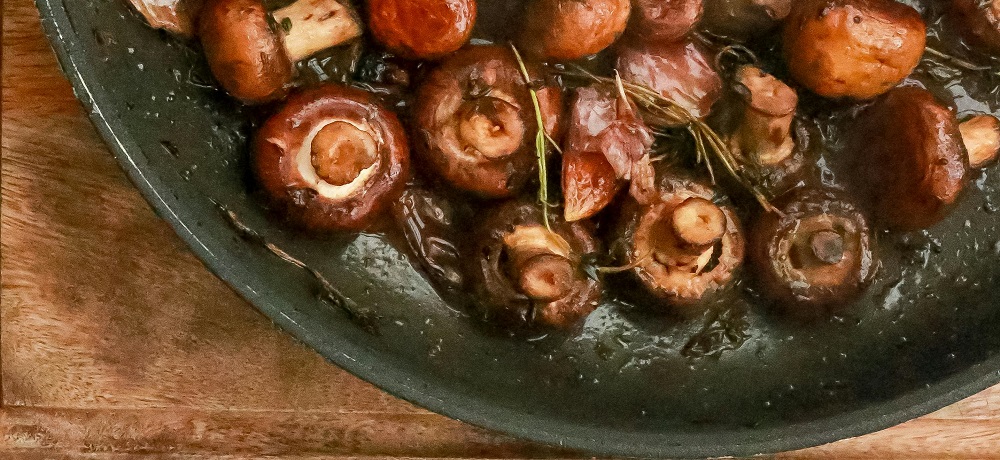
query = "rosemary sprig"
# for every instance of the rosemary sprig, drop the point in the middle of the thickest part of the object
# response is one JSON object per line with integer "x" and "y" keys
{"x": 660, "y": 112}
{"x": 542, "y": 140}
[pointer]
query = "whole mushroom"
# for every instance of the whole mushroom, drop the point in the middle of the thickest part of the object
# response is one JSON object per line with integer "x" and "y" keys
{"x": 475, "y": 121}
{"x": 565, "y": 30}
{"x": 527, "y": 274}
{"x": 422, "y": 29}
{"x": 252, "y": 51}
{"x": 332, "y": 158}
{"x": 680, "y": 71}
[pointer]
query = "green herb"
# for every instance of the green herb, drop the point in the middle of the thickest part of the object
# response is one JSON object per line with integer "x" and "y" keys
{"x": 286, "y": 25}
{"x": 542, "y": 140}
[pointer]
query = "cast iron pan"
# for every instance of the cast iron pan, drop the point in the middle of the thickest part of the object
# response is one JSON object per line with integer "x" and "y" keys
{"x": 926, "y": 335}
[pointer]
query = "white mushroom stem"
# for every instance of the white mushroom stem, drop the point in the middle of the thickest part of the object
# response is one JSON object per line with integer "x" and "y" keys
{"x": 765, "y": 133}
{"x": 981, "y": 135}
{"x": 346, "y": 144}
{"x": 698, "y": 222}
{"x": 540, "y": 260}
{"x": 311, "y": 26}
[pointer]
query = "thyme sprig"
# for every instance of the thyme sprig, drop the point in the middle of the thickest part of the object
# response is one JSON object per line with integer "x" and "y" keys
{"x": 660, "y": 113}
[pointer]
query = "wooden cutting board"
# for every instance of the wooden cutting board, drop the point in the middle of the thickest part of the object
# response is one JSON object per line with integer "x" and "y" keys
{"x": 115, "y": 342}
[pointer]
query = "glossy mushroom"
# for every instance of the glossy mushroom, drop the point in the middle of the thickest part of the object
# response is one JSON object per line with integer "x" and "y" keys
{"x": 252, "y": 51}
{"x": 331, "y": 158}
{"x": 913, "y": 165}
{"x": 981, "y": 136}
{"x": 681, "y": 72}
{"x": 663, "y": 21}
{"x": 606, "y": 144}
{"x": 565, "y": 30}
{"x": 175, "y": 16}
{"x": 980, "y": 21}
{"x": 853, "y": 48}
{"x": 526, "y": 275}
{"x": 422, "y": 29}
{"x": 742, "y": 19}
{"x": 475, "y": 123}
{"x": 818, "y": 252}
{"x": 684, "y": 246}
{"x": 434, "y": 230}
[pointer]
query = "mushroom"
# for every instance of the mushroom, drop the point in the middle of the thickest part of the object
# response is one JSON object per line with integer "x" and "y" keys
{"x": 857, "y": 49}
{"x": 525, "y": 274}
{"x": 981, "y": 136}
{"x": 432, "y": 224}
{"x": 175, "y": 16}
{"x": 664, "y": 21}
{"x": 913, "y": 165}
{"x": 606, "y": 143}
{"x": 817, "y": 252}
{"x": 476, "y": 122}
{"x": 742, "y": 19}
{"x": 980, "y": 21}
{"x": 684, "y": 246}
{"x": 422, "y": 29}
{"x": 565, "y": 30}
{"x": 332, "y": 158}
{"x": 252, "y": 52}
{"x": 678, "y": 71}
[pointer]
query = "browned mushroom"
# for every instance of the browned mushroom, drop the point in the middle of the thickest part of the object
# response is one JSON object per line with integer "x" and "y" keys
{"x": 743, "y": 19}
{"x": 476, "y": 124}
{"x": 606, "y": 143}
{"x": 332, "y": 158}
{"x": 913, "y": 165}
{"x": 979, "y": 20}
{"x": 422, "y": 29}
{"x": 816, "y": 253}
{"x": 853, "y": 48}
{"x": 525, "y": 274}
{"x": 251, "y": 51}
{"x": 679, "y": 71}
{"x": 684, "y": 246}
{"x": 981, "y": 135}
{"x": 433, "y": 225}
{"x": 174, "y": 16}
{"x": 571, "y": 29}
{"x": 664, "y": 21}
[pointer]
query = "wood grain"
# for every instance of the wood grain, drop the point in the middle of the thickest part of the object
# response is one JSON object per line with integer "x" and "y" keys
{"x": 116, "y": 343}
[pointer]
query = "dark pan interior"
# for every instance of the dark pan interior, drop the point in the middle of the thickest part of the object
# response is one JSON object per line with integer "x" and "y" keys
{"x": 926, "y": 334}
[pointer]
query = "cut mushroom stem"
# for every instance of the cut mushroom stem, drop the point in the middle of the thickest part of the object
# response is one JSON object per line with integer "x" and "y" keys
{"x": 827, "y": 247}
{"x": 341, "y": 152}
{"x": 981, "y": 135}
{"x": 698, "y": 222}
{"x": 310, "y": 26}
{"x": 765, "y": 133}
{"x": 539, "y": 259}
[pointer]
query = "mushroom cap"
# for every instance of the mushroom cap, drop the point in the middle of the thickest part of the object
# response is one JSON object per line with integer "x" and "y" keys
{"x": 288, "y": 138}
{"x": 913, "y": 164}
{"x": 422, "y": 29}
{"x": 979, "y": 20}
{"x": 566, "y": 30}
{"x": 244, "y": 52}
{"x": 817, "y": 253}
{"x": 499, "y": 297}
{"x": 664, "y": 21}
{"x": 475, "y": 122}
{"x": 680, "y": 71}
{"x": 744, "y": 18}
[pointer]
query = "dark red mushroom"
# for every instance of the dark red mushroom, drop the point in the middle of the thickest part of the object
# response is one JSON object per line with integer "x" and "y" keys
{"x": 664, "y": 21}
{"x": 332, "y": 158}
{"x": 853, "y": 48}
{"x": 981, "y": 136}
{"x": 684, "y": 246}
{"x": 979, "y": 20}
{"x": 816, "y": 253}
{"x": 175, "y": 16}
{"x": 422, "y": 29}
{"x": 565, "y": 30}
{"x": 476, "y": 124}
{"x": 526, "y": 274}
{"x": 681, "y": 72}
{"x": 742, "y": 19}
{"x": 252, "y": 51}
{"x": 913, "y": 165}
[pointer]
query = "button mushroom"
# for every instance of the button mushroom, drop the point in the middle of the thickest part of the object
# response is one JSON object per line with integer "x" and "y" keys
{"x": 572, "y": 29}
{"x": 980, "y": 21}
{"x": 251, "y": 51}
{"x": 432, "y": 224}
{"x": 526, "y": 274}
{"x": 683, "y": 246}
{"x": 816, "y": 253}
{"x": 743, "y": 19}
{"x": 679, "y": 71}
{"x": 664, "y": 21}
{"x": 476, "y": 121}
{"x": 422, "y": 29}
{"x": 175, "y": 16}
{"x": 981, "y": 135}
{"x": 606, "y": 143}
{"x": 332, "y": 158}
{"x": 913, "y": 165}
{"x": 853, "y": 48}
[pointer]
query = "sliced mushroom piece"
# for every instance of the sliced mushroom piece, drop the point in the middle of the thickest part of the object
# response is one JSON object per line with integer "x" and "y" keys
{"x": 818, "y": 252}
{"x": 742, "y": 19}
{"x": 679, "y": 71}
{"x": 332, "y": 158}
{"x": 526, "y": 275}
{"x": 664, "y": 21}
{"x": 422, "y": 29}
{"x": 175, "y": 16}
{"x": 979, "y": 20}
{"x": 252, "y": 52}
{"x": 566, "y": 30}
{"x": 912, "y": 163}
{"x": 476, "y": 121}
{"x": 857, "y": 49}
{"x": 981, "y": 135}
